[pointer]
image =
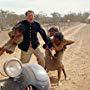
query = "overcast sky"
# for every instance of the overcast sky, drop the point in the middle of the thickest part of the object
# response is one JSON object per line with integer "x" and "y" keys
{"x": 47, "y": 6}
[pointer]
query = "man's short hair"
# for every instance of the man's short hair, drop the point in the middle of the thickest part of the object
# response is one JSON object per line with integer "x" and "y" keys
{"x": 28, "y": 12}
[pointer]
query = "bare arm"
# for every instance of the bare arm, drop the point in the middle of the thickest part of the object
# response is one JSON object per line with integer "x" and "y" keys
{"x": 62, "y": 44}
{"x": 68, "y": 42}
{"x": 59, "y": 47}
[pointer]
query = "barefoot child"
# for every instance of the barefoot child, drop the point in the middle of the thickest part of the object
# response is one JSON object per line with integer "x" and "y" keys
{"x": 59, "y": 45}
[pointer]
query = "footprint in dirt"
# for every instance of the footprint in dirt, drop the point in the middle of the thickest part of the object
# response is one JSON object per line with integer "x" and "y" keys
{"x": 54, "y": 81}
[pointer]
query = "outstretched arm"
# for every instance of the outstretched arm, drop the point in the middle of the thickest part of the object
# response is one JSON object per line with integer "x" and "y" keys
{"x": 45, "y": 37}
{"x": 68, "y": 42}
{"x": 62, "y": 44}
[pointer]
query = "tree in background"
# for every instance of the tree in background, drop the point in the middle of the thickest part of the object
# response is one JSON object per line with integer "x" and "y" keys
{"x": 9, "y": 19}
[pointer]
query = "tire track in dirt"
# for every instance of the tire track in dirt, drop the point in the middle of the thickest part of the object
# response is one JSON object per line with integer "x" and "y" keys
{"x": 76, "y": 60}
{"x": 73, "y": 31}
{"x": 66, "y": 32}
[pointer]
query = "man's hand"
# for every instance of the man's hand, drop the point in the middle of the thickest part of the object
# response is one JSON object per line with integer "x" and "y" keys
{"x": 45, "y": 46}
{"x": 52, "y": 40}
{"x": 52, "y": 48}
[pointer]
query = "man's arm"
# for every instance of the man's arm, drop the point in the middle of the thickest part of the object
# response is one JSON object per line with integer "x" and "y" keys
{"x": 45, "y": 37}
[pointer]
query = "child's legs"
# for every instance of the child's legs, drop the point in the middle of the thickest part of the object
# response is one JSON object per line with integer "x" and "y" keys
{"x": 59, "y": 56}
{"x": 59, "y": 74}
{"x": 59, "y": 59}
{"x": 64, "y": 72}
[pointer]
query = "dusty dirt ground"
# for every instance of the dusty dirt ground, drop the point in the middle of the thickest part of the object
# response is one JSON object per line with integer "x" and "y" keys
{"x": 76, "y": 59}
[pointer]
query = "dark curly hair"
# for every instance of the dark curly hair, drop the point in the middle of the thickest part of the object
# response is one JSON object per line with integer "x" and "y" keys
{"x": 59, "y": 35}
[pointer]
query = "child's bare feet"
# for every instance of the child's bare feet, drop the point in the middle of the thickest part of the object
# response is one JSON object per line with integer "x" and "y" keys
{"x": 67, "y": 78}
{"x": 59, "y": 83}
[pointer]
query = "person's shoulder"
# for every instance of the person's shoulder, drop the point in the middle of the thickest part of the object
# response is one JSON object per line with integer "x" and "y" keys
{"x": 36, "y": 22}
{"x": 68, "y": 42}
{"x": 23, "y": 22}
{"x": 64, "y": 41}
{"x": 20, "y": 25}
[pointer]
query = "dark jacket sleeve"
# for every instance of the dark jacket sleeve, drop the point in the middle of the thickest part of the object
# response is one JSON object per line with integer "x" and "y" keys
{"x": 43, "y": 34}
{"x": 49, "y": 44}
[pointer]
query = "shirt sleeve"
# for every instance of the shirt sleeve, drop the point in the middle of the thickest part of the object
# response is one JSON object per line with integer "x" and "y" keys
{"x": 44, "y": 36}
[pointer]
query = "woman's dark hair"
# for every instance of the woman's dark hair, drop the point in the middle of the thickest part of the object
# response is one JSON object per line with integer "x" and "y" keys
{"x": 59, "y": 35}
{"x": 28, "y": 12}
{"x": 53, "y": 29}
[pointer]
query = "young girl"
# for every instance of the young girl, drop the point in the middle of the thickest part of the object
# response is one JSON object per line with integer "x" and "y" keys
{"x": 59, "y": 45}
